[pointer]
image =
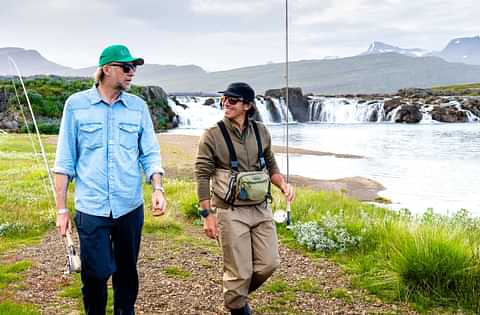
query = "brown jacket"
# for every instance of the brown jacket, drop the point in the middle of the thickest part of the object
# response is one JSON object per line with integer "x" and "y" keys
{"x": 213, "y": 154}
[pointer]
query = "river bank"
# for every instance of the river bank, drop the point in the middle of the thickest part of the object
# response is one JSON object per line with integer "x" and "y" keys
{"x": 184, "y": 147}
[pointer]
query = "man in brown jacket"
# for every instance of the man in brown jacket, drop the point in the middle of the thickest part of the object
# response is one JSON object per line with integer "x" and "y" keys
{"x": 247, "y": 232}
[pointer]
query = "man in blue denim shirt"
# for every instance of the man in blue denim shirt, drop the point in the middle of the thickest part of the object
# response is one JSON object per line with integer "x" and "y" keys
{"x": 106, "y": 139}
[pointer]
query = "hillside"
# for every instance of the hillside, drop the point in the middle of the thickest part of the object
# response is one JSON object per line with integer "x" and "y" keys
{"x": 384, "y": 72}
{"x": 48, "y": 94}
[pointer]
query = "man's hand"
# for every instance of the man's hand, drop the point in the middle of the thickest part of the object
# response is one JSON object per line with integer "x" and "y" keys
{"x": 288, "y": 191}
{"x": 64, "y": 224}
{"x": 159, "y": 203}
{"x": 210, "y": 226}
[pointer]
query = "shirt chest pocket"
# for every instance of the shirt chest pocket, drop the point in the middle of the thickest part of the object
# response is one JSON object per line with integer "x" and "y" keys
{"x": 91, "y": 135}
{"x": 128, "y": 136}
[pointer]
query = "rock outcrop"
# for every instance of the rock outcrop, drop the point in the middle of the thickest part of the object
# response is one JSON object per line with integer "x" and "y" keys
{"x": 297, "y": 103}
{"x": 163, "y": 116}
{"x": 449, "y": 114}
{"x": 408, "y": 114}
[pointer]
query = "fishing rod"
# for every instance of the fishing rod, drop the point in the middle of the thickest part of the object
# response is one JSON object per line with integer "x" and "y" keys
{"x": 282, "y": 216}
{"x": 73, "y": 260}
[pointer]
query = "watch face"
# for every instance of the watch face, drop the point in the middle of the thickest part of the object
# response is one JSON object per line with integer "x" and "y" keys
{"x": 280, "y": 216}
{"x": 204, "y": 213}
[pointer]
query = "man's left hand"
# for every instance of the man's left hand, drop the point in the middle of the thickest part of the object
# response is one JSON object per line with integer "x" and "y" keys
{"x": 289, "y": 192}
{"x": 159, "y": 203}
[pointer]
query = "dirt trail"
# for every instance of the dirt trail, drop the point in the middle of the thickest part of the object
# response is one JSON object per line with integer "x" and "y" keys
{"x": 182, "y": 275}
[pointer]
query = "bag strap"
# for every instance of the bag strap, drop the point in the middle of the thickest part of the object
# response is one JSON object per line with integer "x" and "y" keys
{"x": 231, "y": 150}
{"x": 261, "y": 155}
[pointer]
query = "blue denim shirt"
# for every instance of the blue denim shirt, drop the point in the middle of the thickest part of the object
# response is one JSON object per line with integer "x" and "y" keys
{"x": 104, "y": 148}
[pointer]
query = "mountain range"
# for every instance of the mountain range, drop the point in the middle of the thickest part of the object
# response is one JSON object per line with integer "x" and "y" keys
{"x": 383, "y": 68}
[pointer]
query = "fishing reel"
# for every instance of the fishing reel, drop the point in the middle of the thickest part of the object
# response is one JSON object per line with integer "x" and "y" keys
{"x": 74, "y": 263}
{"x": 281, "y": 216}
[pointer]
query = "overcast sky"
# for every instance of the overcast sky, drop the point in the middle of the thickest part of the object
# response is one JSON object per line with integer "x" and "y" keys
{"x": 225, "y": 34}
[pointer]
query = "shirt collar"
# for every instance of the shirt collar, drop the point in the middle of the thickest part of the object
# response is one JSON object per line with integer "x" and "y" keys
{"x": 235, "y": 130}
{"x": 95, "y": 97}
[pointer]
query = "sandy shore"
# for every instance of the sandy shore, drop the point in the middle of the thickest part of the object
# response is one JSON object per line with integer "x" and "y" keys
{"x": 179, "y": 153}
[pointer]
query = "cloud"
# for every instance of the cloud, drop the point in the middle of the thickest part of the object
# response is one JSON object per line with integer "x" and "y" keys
{"x": 221, "y": 34}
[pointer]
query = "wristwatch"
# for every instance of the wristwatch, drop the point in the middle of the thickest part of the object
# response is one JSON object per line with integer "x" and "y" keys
{"x": 158, "y": 187}
{"x": 204, "y": 212}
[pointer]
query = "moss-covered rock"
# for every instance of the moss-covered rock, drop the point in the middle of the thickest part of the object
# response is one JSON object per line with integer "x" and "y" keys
{"x": 48, "y": 94}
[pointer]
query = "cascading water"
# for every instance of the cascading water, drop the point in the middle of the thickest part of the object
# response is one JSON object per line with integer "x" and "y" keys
{"x": 345, "y": 110}
{"x": 281, "y": 107}
{"x": 193, "y": 112}
{"x": 356, "y": 110}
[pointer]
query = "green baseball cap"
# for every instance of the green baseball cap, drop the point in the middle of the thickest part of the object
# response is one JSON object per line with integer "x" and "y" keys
{"x": 118, "y": 53}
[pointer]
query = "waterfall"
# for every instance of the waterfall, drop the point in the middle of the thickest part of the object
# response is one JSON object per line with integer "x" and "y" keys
{"x": 470, "y": 116}
{"x": 345, "y": 110}
{"x": 281, "y": 107}
{"x": 314, "y": 110}
{"x": 356, "y": 110}
{"x": 193, "y": 113}
{"x": 261, "y": 105}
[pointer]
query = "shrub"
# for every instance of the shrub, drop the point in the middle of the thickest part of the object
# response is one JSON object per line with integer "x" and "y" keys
{"x": 328, "y": 235}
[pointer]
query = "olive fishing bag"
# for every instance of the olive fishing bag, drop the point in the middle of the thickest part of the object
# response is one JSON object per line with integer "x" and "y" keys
{"x": 242, "y": 188}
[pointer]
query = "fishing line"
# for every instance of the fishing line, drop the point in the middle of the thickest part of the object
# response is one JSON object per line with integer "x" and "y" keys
{"x": 40, "y": 143}
{"x": 73, "y": 259}
{"x": 37, "y": 159}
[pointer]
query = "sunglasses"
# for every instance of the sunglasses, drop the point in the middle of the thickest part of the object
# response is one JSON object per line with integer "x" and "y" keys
{"x": 126, "y": 67}
{"x": 231, "y": 100}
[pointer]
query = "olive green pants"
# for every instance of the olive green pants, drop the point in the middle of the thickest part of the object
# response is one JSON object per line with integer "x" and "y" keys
{"x": 249, "y": 243}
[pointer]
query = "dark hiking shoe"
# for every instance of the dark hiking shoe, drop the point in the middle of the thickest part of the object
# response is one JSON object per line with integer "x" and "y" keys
{"x": 246, "y": 310}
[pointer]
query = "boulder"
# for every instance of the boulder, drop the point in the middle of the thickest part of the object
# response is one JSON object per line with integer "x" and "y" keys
{"x": 4, "y": 96}
{"x": 409, "y": 114}
{"x": 449, "y": 114}
{"x": 391, "y": 104}
{"x": 9, "y": 121}
{"x": 298, "y": 104}
{"x": 473, "y": 105}
{"x": 177, "y": 102}
{"x": 209, "y": 102}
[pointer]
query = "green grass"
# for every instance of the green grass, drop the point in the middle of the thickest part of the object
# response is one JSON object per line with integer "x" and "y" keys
{"x": 177, "y": 272}
{"x": 73, "y": 291}
{"x": 342, "y": 294}
{"x": 12, "y": 272}
{"x": 277, "y": 286}
{"x": 464, "y": 89}
{"x": 430, "y": 261}
{"x": 26, "y": 204}
{"x": 10, "y": 308}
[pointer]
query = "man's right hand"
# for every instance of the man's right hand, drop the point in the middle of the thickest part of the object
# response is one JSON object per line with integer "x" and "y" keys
{"x": 64, "y": 224}
{"x": 210, "y": 226}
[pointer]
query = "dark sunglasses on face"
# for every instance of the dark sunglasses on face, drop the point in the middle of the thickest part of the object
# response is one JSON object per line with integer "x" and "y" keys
{"x": 126, "y": 67}
{"x": 232, "y": 100}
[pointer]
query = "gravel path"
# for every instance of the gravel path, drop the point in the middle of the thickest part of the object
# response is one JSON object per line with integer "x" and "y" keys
{"x": 181, "y": 274}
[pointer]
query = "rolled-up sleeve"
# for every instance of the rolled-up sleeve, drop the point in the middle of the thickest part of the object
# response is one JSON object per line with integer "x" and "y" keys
{"x": 66, "y": 155}
{"x": 150, "y": 158}
{"x": 204, "y": 165}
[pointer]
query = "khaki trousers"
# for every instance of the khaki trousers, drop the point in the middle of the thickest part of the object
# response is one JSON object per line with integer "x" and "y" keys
{"x": 249, "y": 243}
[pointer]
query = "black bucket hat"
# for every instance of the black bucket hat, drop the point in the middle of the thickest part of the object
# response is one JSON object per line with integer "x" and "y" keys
{"x": 244, "y": 91}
